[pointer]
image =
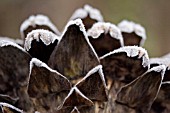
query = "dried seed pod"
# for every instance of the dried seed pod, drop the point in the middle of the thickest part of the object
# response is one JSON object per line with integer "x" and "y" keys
{"x": 40, "y": 44}
{"x": 79, "y": 56}
{"x": 105, "y": 37}
{"x": 37, "y": 22}
{"x": 14, "y": 71}
{"x": 89, "y": 16}
{"x": 133, "y": 34}
{"x": 141, "y": 93}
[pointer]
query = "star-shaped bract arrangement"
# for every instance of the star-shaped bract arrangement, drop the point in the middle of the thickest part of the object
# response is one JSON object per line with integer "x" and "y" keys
{"x": 90, "y": 67}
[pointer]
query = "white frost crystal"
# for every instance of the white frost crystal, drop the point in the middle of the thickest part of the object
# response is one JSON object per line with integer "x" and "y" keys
{"x": 161, "y": 61}
{"x": 45, "y": 36}
{"x": 129, "y": 27}
{"x": 105, "y": 27}
{"x": 37, "y": 20}
{"x": 132, "y": 51}
{"x": 159, "y": 69}
{"x": 10, "y": 43}
{"x": 87, "y": 10}
{"x": 18, "y": 41}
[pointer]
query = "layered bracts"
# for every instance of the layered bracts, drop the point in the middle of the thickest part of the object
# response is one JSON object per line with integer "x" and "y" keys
{"x": 92, "y": 66}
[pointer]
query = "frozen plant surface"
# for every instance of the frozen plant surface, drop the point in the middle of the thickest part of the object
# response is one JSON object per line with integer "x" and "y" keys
{"x": 93, "y": 66}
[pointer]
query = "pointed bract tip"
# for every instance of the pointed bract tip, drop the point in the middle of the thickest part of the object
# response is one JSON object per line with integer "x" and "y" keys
{"x": 78, "y": 22}
{"x": 75, "y": 109}
{"x": 70, "y": 93}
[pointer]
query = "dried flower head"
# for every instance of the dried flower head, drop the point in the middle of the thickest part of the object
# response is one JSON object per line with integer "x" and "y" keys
{"x": 91, "y": 67}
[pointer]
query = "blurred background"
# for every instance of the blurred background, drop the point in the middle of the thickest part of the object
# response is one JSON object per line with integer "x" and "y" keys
{"x": 154, "y": 15}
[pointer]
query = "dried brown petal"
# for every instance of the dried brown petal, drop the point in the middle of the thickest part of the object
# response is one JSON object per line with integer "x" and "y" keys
{"x": 40, "y": 44}
{"x": 44, "y": 81}
{"x": 141, "y": 93}
{"x": 14, "y": 71}
{"x": 93, "y": 85}
{"x": 125, "y": 64}
{"x": 74, "y": 55}
{"x": 105, "y": 37}
{"x": 14, "y": 62}
{"x": 161, "y": 104}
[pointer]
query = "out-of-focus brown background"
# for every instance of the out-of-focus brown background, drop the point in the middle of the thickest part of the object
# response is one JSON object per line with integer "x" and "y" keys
{"x": 154, "y": 15}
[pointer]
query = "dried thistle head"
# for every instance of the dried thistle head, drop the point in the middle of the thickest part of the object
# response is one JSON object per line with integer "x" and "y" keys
{"x": 90, "y": 67}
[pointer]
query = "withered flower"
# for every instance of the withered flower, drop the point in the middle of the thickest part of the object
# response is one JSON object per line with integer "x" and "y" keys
{"x": 78, "y": 71}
